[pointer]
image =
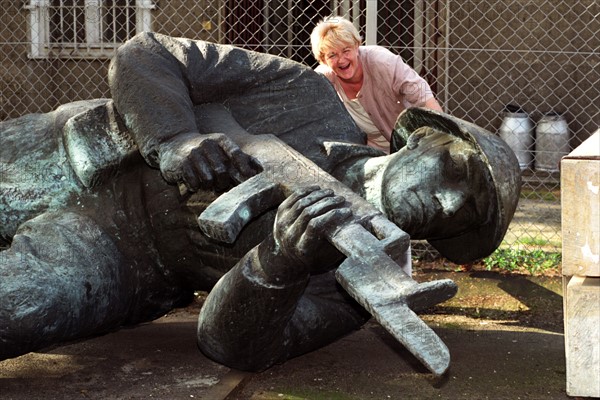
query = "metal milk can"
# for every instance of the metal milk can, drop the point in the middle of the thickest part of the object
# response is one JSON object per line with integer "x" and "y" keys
{"x": 552, "y": 142}
{"x": 517, "y": 131}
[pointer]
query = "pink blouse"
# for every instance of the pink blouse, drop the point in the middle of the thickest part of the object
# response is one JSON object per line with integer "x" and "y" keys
{"x": 389, "y": 86}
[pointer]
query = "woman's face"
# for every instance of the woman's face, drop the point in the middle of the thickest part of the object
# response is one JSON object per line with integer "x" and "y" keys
{"x": 344, "y": 62}
{"x": 437, "y": 188}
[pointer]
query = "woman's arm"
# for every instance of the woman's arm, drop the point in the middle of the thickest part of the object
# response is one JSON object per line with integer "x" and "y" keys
{"x": 433, "y": 104}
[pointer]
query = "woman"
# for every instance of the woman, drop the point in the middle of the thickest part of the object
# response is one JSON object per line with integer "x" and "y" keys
{"x": 374, "y": 84}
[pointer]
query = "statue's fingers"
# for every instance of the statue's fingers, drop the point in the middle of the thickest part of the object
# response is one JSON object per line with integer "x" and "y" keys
{"x": 215, "y": 156}
{"x": 294, "y": 211}
{"x": 318, "y": 203}
{"x": 172, "y": 175}
{"x": 319, "y": 226}
{"x": 329, "y": 221}
{"x": 312, "y": 198}
{"x": 296, "y": 196}
{"x": 314, "y": 214}
{"x": 288, "y": 212}
{"x": 189, "y": 177}
{"x": 235, "y": 155}
{"x": 230, "y": 148}
{"x": 218, "y": 165}
{"x": 240, "y": 171}
{"x": 171, "y": 168}
{"x": 243, "y": 166}
{"x": 197, "y": 172}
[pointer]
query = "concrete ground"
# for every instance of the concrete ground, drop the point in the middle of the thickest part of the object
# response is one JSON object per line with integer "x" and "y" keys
{"x": 504, "y": 333}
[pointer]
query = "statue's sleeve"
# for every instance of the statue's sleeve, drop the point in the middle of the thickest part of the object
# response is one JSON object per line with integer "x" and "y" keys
{"x": 252, "y": 320}
{"x": 156, "y": 80}
{"x": 150, "y": 90}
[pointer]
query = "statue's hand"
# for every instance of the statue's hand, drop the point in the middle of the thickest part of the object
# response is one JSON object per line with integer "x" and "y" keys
{"x": 211, "y": 161}
{"x": 301, "y": 225}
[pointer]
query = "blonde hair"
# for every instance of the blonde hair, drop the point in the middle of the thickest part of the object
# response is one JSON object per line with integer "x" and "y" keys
{"x": 333, "y": 32}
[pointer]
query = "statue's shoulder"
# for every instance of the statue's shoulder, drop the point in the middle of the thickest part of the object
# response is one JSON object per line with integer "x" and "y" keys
{"x": 98, "y": 144}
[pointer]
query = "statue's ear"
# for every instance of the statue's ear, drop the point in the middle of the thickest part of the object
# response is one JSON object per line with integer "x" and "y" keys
{"x": 414, "y": 118}
{"x": 399, "y": 138}
{"x": 405, "y": 125}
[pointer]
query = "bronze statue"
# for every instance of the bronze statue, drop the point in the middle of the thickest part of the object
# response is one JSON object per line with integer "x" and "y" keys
{"x": 101, "y": 199}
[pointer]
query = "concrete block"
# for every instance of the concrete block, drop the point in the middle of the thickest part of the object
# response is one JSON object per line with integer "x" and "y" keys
{"x": 582, "y": 336}
{"x": 580, "y": 195}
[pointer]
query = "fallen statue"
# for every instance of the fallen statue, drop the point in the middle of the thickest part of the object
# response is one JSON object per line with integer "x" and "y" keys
{"x": 238, "y": 173}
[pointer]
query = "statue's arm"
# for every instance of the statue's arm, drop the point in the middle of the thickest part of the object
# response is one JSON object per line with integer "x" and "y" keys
{"x": 277, "y": 302}
{"x": 155, "y": 81}
{"x": 150, "y": 91}
{"x": 243, "y": 321}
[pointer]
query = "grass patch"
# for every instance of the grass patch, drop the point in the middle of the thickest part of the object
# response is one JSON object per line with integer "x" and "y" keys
{"x": 535, "y": 262}
{"x": 534, "y": 241}
{"x": 538, "y": 194}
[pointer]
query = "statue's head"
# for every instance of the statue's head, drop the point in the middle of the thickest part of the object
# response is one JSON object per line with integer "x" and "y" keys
{"x": 450, "y": 182}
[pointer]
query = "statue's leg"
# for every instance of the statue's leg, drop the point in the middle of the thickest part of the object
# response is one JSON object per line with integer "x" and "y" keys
{"x": 64, "y": 278}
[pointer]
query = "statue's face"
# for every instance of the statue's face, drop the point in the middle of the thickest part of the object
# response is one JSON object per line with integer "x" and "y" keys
{"x": 436, "y": 186}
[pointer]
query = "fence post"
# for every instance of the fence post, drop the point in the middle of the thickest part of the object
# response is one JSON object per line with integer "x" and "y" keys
{"x": 371, "y": 23}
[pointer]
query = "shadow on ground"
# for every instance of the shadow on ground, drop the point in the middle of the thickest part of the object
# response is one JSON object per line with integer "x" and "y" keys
{"x": 504, "y": 334}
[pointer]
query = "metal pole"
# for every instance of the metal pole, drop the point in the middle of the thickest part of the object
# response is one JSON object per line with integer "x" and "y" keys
{"x": 371, "y": 25}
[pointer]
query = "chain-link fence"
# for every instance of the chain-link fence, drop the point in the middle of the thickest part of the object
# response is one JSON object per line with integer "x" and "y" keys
{"x": 539, "y": 56}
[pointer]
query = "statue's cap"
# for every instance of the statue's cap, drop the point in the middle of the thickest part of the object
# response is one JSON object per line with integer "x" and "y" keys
{"x": 505, "y": 181}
